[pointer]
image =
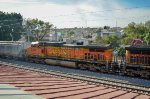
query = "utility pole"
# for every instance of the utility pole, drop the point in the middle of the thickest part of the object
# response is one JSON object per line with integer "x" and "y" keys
{"x": 29, "y": 32}
{"x": 1, "y": 33}
{"x": 116, "y": 26}
{"x": 12, "y": 35}
{"x": 55, "y": 34}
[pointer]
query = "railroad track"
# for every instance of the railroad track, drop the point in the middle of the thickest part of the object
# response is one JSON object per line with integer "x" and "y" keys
{"x": 119, "y": 84}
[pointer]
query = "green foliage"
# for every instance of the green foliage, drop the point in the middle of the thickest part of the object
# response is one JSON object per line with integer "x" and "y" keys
{"x": 99, "y": 29}
{"x": 127, "y": 39}
{"x": 147, "y": 24}
{"x": 147, "y": 38}
{"x": 134, "y": 30}
{"x": 99, "y": 39}
{"x": 106, "y": 27}
{"x": 10, "y": 26}
{"x": 37, "y": 29}
{"x": 70, "y": 33}
{"x": 121, "y": 52}
{"x": 113, "y": 40}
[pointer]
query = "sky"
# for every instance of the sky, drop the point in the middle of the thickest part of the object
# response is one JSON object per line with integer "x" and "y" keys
{"x": 81, "y": 13}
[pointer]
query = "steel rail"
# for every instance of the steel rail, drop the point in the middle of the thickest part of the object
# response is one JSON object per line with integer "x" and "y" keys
{"x": 124, "y": 85}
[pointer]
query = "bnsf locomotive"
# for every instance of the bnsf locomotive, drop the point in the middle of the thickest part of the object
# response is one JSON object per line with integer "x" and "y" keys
{"x": 92, "y": 57}
{"x": 138, "y": 60}
{"x": 89, "y": 57}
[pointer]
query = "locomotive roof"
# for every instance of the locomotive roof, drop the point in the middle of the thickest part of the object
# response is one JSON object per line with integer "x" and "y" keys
{"x": 89, "y": 46}
{"x": 10, "y": 44}
{"x": 50, "y": 43}
{"x": 137, "y": 47}
{"x": 74, "y": 46}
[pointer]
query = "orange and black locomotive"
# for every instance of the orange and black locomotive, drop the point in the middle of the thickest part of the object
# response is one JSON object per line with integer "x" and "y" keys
{"x": 138, "y": 60}
{"x": 91, "y": 57}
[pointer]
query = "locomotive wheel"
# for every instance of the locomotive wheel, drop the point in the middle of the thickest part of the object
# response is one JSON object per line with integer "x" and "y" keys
{"x": 130, "y": 72}
{"x": 92, "y": 67}
{"x": 81, "y": 66}
{"x": 102, "y": 69}
{"x": 145, "y": 75}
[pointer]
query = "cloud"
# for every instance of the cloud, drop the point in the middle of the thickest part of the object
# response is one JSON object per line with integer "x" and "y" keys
{"x": 18, "y": 2}
{"x": 77, "y": 13}
{"x": 67, "y": 2}
{"x": 62, "y": 2}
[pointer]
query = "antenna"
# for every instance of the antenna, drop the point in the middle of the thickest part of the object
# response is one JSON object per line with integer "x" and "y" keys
{"x": 116, "y": 26}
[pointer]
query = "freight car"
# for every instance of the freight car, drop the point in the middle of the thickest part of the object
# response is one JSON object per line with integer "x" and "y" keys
{"x": 138, "y": 60}
{"x": 13, "y": 49}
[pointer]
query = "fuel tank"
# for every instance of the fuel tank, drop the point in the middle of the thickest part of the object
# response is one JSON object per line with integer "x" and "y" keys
{"x": 61, "y": 63}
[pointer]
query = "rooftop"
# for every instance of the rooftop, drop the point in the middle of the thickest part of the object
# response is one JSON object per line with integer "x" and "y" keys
{"x": 137, "y": 47}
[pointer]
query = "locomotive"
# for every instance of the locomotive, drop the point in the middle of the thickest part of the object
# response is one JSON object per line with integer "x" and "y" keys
{"x": 92, "y": 57}
{"x": 138, "y": 60}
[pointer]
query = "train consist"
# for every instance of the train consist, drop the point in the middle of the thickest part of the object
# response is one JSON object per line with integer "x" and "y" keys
{"x": 92, "y": 57}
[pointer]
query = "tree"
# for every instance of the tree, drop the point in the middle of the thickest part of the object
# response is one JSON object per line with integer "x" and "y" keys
{"x": 10, "y": 26}
{"x": 121, "y": 53}
{"x": 147, "y": 24}
{"x": 37, "y": 28}
{"x": 130, "y": 29}
{"x": 134, "y": 30}
{"x": 107, "y": 27}
{"x": 98, "y": 39}
{"x": 147, "y": 38}
{"x": 113, "y": 40}
{"x": 99, "y": 29}
{"x": 127, "y": 39}
{"x": 71, "y": 33}
{"x": 147, "y": 33}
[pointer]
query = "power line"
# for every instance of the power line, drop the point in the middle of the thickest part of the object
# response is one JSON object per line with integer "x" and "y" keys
{"x": 116, "y": 18}
{"x": 109, "y": 10}
{"x": 1, "y": 25}
{"x": 131, "y": 8}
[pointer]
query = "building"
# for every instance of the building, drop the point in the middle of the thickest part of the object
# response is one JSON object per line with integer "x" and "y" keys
{"x": 105, "y": 33}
